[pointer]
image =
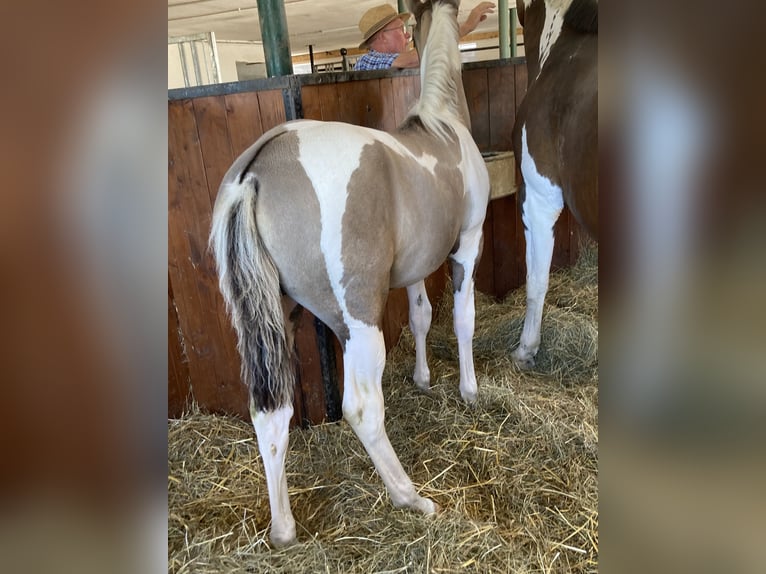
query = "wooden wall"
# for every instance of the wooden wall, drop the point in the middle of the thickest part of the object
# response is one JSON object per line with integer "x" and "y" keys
{"x": 209, "y": 128}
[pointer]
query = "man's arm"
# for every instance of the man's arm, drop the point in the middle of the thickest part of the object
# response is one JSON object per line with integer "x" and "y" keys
{"x": 408, "y": 59}
{"x": 478, "y": 14}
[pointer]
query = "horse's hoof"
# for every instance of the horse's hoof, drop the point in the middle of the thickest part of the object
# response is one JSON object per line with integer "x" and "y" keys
{"x": 523, "y": 361}
{"x": 283, "y": 540}
{"x": 525, "y": 364}
{"x": 425, "y": 387}
{"x": 469, "y": 397}
{"x": 428, "y": 507}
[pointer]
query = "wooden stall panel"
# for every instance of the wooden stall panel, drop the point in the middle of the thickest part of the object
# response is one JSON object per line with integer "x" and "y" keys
{"x": 477, "y": 96}
{"x": 179, "y": 381}
{"x": 310, "y": 99}
{"x": 207, "y": 340}
{"x": 272, "y": 108}
{"x": 405, "y": 93}
{"x": 213, "y": 133}
{"x": 506, "y": 225}
{"x": 485, "y": 271}
{"x": 243, "y": 120}
{"x": 502, "y": 107}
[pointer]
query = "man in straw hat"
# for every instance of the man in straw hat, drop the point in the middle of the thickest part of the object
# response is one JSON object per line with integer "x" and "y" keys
{"x": 383, "y": 32}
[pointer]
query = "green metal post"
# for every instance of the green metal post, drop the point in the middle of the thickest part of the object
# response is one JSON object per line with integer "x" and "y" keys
{"x": 514, "y": 25}
{"x": 276, "y": 41}
{"x": 504, "y": 16}
{"x": 401, "y": 6}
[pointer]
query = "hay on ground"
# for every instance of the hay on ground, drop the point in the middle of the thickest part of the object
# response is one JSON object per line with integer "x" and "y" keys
{"x": 515, "y": 475}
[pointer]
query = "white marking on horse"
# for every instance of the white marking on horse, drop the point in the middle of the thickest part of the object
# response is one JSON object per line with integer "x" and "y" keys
{"x": 543, "y": 203}
{"x": 329, "y": 172}
{"x": 554, "y": 19}
{"x": 272, "y": 429}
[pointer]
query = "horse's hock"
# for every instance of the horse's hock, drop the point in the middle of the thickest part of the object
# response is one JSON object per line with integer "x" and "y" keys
{"x": 209, "y": 126}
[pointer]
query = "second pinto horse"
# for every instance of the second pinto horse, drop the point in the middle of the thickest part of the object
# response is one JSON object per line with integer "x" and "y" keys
{"x": 555, "y": 139}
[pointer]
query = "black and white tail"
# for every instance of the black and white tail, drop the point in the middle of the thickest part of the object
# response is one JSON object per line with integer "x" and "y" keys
{"x": 249, "y": 281}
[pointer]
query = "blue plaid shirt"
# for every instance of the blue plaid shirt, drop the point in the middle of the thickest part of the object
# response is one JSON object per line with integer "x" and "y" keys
{"x": 373, "y": 60}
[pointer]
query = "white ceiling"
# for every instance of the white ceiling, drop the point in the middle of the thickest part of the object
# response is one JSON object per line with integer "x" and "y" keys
{"x": 325, "y": 24}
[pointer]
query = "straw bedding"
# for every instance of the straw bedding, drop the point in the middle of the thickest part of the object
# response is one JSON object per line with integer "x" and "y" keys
{"x": 515, "y": 475}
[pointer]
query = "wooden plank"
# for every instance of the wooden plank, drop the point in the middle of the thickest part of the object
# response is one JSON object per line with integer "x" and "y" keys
{"x": 312, "y": 106}
{"x": 561, "y": 250}
{"x": 436, "y": 283}
{"x": 502, "y": 107}
{"x": 212, "y": 130}
{"x": 387, "y": 121}
{"x": 484, "y": 275}
{"x": 521, "y": 244}
{"x": 360, "y": 103}
{"x": 215, "y": 381}
{"x": 213, "y": 133}
{"x": 477, "y": 96}
{"x": 272, "y": 108}
{"x": 576, "y": 235}
{"x": 395, "y": 317}
{"x": 520, "y": 83}
{"x": 328, "y": 99}
{"x": 309, "y": 384}
{"x": 406, "y": 91}
{"x": 179, "y": 383}
{"x": 243, "y": 116}
{"x": 505, "y": 226}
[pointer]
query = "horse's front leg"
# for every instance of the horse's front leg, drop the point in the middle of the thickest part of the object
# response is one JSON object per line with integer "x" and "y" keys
{"x": 543, "y": 202}
{"x": 464, "y": 262}
{"x": 420, "y": 323}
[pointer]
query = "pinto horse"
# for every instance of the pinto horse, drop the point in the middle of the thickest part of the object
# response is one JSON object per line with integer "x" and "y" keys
{"x": 333, "y": 216}
{"x": 555, "y": 139}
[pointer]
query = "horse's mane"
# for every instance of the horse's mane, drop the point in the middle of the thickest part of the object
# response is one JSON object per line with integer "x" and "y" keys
{"x": 582, "y": 16}
{"x": 438, "y": 106}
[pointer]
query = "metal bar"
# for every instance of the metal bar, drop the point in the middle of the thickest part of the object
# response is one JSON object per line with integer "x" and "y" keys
{"x": 216, "y": 63}
{"x": 311, "y": 58}
{"x": 291, "y": 97}
{"x": 504, "y": 18}
{"x": 514, "y": 32}
{"x": 195, "y": 61}
{"x": 182, "y": 55}
{"x": 276, "y": 40}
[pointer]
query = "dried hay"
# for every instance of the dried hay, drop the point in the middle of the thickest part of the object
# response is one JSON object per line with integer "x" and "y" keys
{"x": 516, "y": 475}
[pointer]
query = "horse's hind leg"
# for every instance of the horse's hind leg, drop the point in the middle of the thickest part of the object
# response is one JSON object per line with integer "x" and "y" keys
{"x": 271, "y": 428}
{"x": 420, "y": 323}
{"x": 464, "y": 262}
{"x": 363, "y": 361}
{"x": 542, "y": 205}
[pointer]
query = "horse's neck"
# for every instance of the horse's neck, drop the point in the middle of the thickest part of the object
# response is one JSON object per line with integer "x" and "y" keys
{"x": 543, "y": 20}
{"x": 441, "y": 82}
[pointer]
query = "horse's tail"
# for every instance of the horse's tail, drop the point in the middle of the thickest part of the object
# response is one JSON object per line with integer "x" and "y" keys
{"x": 249, "y": 281}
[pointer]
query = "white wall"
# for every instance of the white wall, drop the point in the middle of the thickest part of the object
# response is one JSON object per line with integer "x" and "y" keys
{"x": 230, "y": 52}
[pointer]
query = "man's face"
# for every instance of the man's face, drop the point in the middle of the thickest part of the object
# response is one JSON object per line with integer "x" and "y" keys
{"x": 391, "y": 39}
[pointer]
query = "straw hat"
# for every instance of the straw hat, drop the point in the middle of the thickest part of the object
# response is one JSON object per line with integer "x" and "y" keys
{"x": 377, "y": 18}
